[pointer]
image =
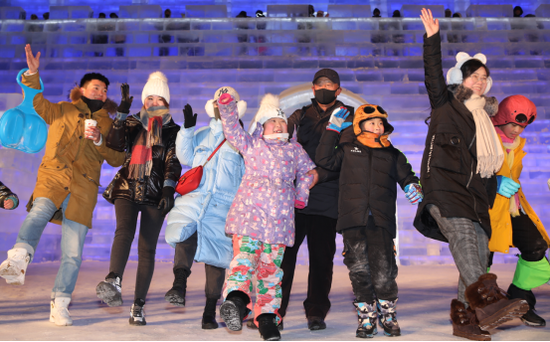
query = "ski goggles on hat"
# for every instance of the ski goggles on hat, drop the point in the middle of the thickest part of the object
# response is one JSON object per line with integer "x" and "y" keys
{"x": 522, "y": 118}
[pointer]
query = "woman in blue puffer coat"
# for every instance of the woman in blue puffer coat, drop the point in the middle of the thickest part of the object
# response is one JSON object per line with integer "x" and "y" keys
{"x": 196, "y": 224}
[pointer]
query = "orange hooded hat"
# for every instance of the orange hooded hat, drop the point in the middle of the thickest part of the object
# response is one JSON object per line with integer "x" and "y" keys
{"x": 367, "y": 112}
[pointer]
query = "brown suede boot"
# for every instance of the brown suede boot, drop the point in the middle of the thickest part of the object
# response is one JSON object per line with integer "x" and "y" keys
{"x": 465, "y": 323}
{"x": 490, "y": 303}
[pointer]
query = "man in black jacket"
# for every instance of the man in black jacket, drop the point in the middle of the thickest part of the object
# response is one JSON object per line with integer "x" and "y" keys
{"x": 318, "y": 220}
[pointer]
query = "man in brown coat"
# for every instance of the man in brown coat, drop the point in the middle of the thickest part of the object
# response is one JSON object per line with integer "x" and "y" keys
{"x": 67, "y": 182}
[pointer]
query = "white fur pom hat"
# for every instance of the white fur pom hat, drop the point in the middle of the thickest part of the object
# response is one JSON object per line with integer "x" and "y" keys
{"x": 454, "y": 75}
{"x": 269, "y": 108}
{"x": 157, "y": 84}
{"x": 241, "y": 104}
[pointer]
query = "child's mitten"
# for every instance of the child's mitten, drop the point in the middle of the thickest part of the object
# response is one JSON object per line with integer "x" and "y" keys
{"x": 299, "y": 204}
{"x": 337, "y": 118}
{"x": 506, "y": 187}
{"x": 414, "y": 193}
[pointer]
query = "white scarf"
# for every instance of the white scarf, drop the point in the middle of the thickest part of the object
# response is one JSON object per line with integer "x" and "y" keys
{"x": 490, "y": 155}
{"x": 277, "y": 136}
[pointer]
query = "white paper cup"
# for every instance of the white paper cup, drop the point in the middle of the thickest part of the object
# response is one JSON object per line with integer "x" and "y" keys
{"x": 89, "y": 123}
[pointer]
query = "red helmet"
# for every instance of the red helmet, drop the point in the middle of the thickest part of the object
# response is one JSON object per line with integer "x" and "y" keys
{"x": 517, "y": 109}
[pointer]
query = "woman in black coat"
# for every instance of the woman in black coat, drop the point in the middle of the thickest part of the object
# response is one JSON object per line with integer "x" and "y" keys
{"x": 458, "y": 178}
{"x": 145, "y": 184}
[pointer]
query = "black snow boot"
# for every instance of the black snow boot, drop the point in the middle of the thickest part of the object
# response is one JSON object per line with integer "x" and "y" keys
{"x": 234, "y": 310}
{"x": 250, "y": 324}
{"x": 209, "y": 315}
{"x": 176, "y": 295}
{"x": 268, "y": 327}
{"x": 530, "y": 318}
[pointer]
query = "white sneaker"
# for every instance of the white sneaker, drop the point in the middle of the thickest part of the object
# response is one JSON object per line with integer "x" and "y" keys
{"x": 13, "y": 269}
{"x": 59, "y": 312}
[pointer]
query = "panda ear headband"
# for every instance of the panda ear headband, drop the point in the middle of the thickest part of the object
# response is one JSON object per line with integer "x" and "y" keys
{"x": 454, "y": 75}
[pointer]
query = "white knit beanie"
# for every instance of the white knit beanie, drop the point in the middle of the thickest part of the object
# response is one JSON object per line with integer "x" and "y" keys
{"x": 241, "y": 104}
{"x": 157, "y": 84}
{"x": 269, "y": 108}
{"x": 454, "y": 75}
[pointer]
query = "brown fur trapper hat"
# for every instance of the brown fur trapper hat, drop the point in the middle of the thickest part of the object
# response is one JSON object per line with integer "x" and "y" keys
{"x": 367, "y": 112}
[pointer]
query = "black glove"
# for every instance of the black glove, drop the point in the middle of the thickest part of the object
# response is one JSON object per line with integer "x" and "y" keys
{"x": 167, "y": 201}
{"x": 189, "y": 120}
{"x": 126, "y": 100}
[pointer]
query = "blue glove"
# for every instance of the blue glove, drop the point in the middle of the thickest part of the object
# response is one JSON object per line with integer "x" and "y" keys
{"x": 506, "y": 187}
{"x": 337, "y": 118}
{"x": 414, "y": 193}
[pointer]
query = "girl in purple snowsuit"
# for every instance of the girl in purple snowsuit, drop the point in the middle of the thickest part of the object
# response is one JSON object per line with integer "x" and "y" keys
{"x": 261, "y": 218}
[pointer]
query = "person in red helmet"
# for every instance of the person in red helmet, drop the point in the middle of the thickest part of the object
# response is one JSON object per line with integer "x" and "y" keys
{"x": 514, "y": 222}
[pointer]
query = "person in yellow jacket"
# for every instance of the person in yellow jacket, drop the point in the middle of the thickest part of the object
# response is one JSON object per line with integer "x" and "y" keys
{"x": 514, "y": 223}
{"x": 67, "y": 181}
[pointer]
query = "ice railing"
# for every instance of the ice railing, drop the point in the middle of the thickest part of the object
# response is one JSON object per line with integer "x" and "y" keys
{"x": 226, "y": 37}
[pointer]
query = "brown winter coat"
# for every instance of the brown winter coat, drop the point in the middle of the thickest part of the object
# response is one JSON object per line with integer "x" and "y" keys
{"x": 71, "y": 163}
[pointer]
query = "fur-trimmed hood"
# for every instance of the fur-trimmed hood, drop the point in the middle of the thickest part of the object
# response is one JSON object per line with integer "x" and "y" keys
{"x": 462, "y": 94}
{"x": 109, "y": 105}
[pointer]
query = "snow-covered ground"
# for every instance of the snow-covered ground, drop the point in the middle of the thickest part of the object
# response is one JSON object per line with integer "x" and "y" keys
{"x": 423, "y": 310}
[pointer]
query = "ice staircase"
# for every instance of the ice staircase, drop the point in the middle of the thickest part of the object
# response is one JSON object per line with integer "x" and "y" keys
{"x": 378, "y": 59}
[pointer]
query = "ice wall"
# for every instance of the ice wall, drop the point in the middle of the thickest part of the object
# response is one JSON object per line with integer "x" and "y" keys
{"x": 378, "y": 59}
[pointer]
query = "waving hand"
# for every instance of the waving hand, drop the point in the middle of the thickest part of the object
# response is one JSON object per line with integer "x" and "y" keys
{"x": 430, "y": 24}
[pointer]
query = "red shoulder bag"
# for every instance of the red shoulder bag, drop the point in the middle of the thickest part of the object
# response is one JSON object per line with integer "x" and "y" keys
{"x": 191, "y": 180}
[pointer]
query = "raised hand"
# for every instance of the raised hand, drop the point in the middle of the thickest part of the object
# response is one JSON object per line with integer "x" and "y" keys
{"x": 189, "y": 119}
{"x": 430, "y": 24}
{"x": 33, "y": 62}
{"x": 338, "y": 118}
{"x": 126, "y": 99}
{"x": 225, "y": 99}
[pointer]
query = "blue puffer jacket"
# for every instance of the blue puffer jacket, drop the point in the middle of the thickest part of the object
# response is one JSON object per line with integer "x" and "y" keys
{"x": 204, "y": 210}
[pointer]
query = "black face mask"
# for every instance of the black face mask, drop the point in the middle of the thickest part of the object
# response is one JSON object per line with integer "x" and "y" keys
{"x": 325, "y": 96}
{"x": 94, "y": 105}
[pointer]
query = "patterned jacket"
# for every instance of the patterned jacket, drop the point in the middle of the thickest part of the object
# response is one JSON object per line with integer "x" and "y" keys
{"x": 264, "y": 205}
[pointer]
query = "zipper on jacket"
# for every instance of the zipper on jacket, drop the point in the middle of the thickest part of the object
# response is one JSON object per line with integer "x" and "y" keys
{"x": 470, "y": 180}
{"x": 368, "y": 183}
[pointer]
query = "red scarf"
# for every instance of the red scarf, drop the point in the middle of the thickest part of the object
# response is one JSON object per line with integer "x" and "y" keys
{"x": 141, "y": 162}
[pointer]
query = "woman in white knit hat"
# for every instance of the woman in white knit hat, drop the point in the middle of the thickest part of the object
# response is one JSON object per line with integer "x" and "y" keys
{"x": 145, "y": 184}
